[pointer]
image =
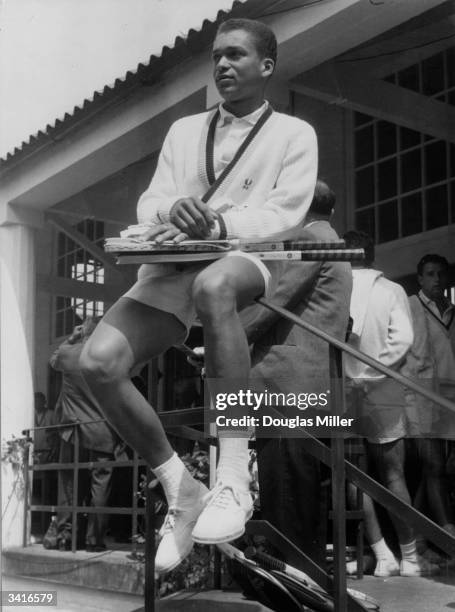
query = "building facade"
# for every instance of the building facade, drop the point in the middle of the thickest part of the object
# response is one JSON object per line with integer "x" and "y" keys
{"x": 375, "y": 79}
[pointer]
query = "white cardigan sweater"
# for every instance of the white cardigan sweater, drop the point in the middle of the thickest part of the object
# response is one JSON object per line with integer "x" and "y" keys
{"x": 266, "y": 196}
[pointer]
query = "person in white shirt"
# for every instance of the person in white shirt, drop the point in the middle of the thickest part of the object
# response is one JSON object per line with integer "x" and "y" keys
{"x": 431, "y": 361}
{"x": 382, "y": 329}
{"x": 264, "y": 197}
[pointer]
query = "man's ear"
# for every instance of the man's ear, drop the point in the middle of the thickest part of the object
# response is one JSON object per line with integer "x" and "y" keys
{"x": 268, "y": 66}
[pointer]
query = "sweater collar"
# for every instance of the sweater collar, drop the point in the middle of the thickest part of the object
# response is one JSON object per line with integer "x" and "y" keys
{"x": 432, "y": 304}
{"x": 227, "y": 117}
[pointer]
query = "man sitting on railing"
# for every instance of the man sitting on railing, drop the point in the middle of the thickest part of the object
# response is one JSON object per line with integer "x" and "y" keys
{"x": 382, "y": 329}
{"x": 97, "y": 441}
{"x": 264, "y": 197}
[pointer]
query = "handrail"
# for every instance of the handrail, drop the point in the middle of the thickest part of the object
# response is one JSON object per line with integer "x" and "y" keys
{"x": 391, "y": 502}
{"x": 181, "y": 419}
{"x": 346, "y": 348}
{"x": 75, "y": 466}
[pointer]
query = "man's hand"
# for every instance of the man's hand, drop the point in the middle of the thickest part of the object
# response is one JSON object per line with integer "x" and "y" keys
{"x": 164, "y": 231}
{"x": 193, "y": 217}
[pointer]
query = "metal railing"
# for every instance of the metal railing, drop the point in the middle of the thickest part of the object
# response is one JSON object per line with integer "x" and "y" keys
{"x": 179, "y": 422}
{"x": 76, "y": 466}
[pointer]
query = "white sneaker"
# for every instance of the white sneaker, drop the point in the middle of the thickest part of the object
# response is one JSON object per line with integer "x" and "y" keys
{"x": 420, "y": 567}
{"x": 386, "y": 568}
{"x": 176, "y": 542}
{"x": 225, "y": 515}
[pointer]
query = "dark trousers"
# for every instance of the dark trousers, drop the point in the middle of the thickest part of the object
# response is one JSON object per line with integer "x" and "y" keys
{"x": 95, "y": 490}
{"x": 289, "y": 484}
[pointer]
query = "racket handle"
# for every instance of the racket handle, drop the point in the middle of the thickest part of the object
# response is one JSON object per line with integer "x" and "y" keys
{"x": 267, "y": 561}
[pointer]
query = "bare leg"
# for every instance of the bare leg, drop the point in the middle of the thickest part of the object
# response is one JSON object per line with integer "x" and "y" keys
{"x": 220, "y": 291}
{"x": 431, "y": 454}
{"x": 372, "y": 528}
{"x": 129, "y": 334}
{"x": 388, "y": 460}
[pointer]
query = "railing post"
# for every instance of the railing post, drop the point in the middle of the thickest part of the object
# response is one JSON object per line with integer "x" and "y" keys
{"x": 149, "y": 586}
{"x": 134, "y": 522}
{"x": 338, "y": 484}
{"x": 27, "y": 491}
{"x": 75, "y": 490}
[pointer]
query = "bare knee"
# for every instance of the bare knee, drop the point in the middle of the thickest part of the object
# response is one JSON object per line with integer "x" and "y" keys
{"x": 214, "y": 295}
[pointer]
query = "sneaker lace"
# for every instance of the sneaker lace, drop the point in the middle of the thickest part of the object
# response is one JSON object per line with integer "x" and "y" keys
{"x": 222, "y": 495}
{"x": 169, "y": 521}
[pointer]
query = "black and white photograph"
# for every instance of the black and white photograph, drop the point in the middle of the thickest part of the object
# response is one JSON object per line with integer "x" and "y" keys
{"x": 227, "y": 305}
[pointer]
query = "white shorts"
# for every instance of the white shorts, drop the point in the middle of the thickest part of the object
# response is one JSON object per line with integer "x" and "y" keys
{"x": 168, "y": 287}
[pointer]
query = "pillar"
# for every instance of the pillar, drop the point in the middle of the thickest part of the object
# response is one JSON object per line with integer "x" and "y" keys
{"x": 17, "y": 318}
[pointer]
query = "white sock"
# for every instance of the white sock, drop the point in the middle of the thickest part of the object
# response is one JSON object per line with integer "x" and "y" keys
{"x": 409, "y": 551}
{"x": 382, "y": 551}
{"x": 233, "y": 463}
{"x": 175, "y": 478}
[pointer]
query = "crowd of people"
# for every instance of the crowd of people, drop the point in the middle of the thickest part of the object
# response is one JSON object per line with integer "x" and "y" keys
{"x": 257, "y": 171}
{"x": 402, "y": 333}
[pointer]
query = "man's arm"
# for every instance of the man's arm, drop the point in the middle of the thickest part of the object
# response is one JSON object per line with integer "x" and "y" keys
{"x": 418, "y": 360}
{"x": 400, "y": 332}
{"x": 284, "y": 207}
{"x": 156, "y": 202}
{"x": 287, "y": 204}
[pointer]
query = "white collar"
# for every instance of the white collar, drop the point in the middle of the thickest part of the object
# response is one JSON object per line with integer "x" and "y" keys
{"x": 429, "y": 302}
{"x": 227, "y": 117}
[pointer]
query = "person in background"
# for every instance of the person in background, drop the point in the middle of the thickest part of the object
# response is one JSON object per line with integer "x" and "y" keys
{"x": 431, "y": 361}
{"x": 382, "y": 328}
{"x": 97, "y": 441}
{"x": 45, "y": 441}
{"x": 287, "y": 355}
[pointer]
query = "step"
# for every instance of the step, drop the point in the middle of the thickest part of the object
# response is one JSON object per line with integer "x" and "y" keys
{"x": 109, "y": 570}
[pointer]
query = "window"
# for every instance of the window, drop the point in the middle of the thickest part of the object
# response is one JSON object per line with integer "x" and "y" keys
{"x": 78, "y": 264}
{"x": 404, "y": 180}
{"x": 71, "y": 311}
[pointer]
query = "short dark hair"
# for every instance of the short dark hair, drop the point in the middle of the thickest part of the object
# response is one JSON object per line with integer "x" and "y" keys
{"x": 324, "y": 199}
{"x": 264, "y": 37}
{"x": 432, "y": 258}
{"x": 356, "y": 239}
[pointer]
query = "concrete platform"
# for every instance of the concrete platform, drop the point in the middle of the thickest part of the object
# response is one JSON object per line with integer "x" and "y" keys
{"x": 109, "y": 581}
{"x": 111, "y": 570}
{"x": 76, "y": 599}
{"x": 399, "y": 594}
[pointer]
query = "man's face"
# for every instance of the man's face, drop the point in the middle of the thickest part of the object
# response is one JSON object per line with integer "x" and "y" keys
{"x": 239, "y": 72}
{"x": 433, "y": 280}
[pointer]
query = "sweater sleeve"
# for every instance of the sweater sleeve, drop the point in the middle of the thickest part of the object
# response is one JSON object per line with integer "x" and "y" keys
{"x": 400, "y": 333}
{"x": 288, "y": 202}
{"x": 156, "y": 202}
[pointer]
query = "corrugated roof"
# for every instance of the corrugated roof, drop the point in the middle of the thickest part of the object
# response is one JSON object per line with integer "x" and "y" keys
{"x": 145, "y": 75}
